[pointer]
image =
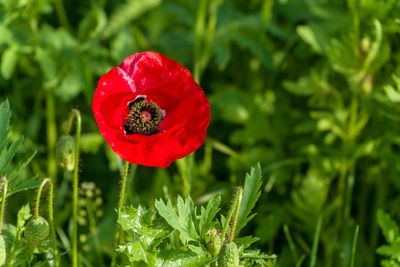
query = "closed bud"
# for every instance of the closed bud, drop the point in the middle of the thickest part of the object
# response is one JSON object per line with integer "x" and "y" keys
{"x": 66, "y": 152}
{"x": 36, "y": 230}
{"x": 213, "y": 242}
{"x": 2, "y": 250}
{"x": 229, "y": 255}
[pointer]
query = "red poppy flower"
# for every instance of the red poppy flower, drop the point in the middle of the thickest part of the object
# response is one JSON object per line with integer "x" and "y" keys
{"x": 150, "y": 110}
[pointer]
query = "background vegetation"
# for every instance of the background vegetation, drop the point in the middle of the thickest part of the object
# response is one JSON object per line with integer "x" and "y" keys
{"x": 310, "y": 89}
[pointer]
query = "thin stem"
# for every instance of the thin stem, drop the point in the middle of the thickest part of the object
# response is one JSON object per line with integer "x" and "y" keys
{"x": 122, "y": 194}
{"x": 61, "y": 14}
{"x": 51, "y": 222}
{"x": 239, "y": 194}
{"x": 121, "y": 202}
{"x": 354, "y": 246}
{"x": 75, "y": 114}
{"x": 3, "y": 202}
{"x": 38, "y": 196}
{"x": 51, "y": 134}
{"x": 199, "y": 32}
{"x": 314, "y": 250}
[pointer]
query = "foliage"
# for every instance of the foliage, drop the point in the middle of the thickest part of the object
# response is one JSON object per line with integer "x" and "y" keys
{"x": 391, "y": 233}
{"x": 155, "y": 242}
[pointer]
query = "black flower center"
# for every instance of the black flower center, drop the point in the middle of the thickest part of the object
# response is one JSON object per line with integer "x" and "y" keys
{"x": 144, "y": 117}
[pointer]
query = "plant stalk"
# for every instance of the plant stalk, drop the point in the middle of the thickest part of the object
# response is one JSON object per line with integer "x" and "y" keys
{"x": 121, "y": 202}
{"x": 3, "y": 202}
{"x": 75, "y": 114}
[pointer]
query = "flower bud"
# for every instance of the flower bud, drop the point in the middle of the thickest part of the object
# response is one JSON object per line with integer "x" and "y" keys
{"x": 37, "y": 230}
{"x": 229, "y": 255}
{"x": 213, "y": 242}
{"x": 66, "y": 152}
{"x": 2, "y": 250}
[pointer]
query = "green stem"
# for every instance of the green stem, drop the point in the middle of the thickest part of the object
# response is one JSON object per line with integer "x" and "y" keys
{"x": 354, "y": 247}
{"x": 3, "y": 201}
{"x": 239, "y": 195}
{"x": 122, "y": 194}
{"x": 314, "y": 250}
{"x": 61, "y": 14}
{"x": 51, "y": 214}
{"x": 51, "y": 134}
{"x": 38, "y": 196}
{"x": 228, "y": 218}
{"x": 121, "y": 202}
{"x": 75, "y": 114}
{"x": 199, "y": 33}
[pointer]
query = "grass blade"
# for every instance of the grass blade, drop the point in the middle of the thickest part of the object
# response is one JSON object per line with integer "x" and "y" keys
{"x": 314, "y": 250}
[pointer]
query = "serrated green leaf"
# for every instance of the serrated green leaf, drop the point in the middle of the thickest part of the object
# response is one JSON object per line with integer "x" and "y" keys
{"x": 251, "y": 193}
{"x": 207, "y": 215}
{"x": 172, "y": 258}
{"x": 246, "y": 241}
{"x": 392, "y": 250}
{"x": 181, "y": 220}
{"x": 389, "y": 227}
{"x": 24, "y": 214}
{"x": 140, "y": 222}
{"x": 17, "y": 182}
{"x": 7, "y": 155}
{"x": 134, "y": 250}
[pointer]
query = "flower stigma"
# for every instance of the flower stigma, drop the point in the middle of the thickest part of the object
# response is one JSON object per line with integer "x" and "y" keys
{"x": 144, "y": 117}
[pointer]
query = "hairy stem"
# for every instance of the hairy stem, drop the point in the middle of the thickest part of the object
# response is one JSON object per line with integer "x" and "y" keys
{"x": 121, "y": 202}
{"x": 239, "y": 194}
{"x": 3, "y": 202}
{"x": 50, "y": 215}
{"x": 233, "y": 210}
{"x": 75, "y": 114}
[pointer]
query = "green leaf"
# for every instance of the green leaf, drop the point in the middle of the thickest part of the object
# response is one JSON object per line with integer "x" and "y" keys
{"x": 389, "y": 227}
{"x": 18, "y": 182}
{"x": 46, "y": 62}
{"x": 392, "y": 94}
{"x": 246, "y": 241}
{"x": 140, "y": 222}
{"x": 315, "y": 36}
{"x": 182, "y": 220}
{"x": 171, "y": 258}
{"x": 207, "y": 215}
{"x": 9, "y": 61}
{"x": 24, "y": 214}
{"x": 7, "y": 155}
{"x": 251, "y": 193}
{"x": 134, "y": 250}
{"x": 128, "y": 12}
{"x": 91, "y": 142}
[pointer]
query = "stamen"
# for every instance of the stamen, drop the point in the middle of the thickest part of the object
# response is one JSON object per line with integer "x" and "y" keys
{"x": 144, "y": 117}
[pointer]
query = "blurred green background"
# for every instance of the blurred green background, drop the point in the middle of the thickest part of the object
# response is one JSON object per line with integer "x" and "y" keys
{"x": 308, "y": 88}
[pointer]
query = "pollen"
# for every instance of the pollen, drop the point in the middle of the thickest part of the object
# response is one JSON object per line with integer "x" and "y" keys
{"x": 144, "y": 117}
